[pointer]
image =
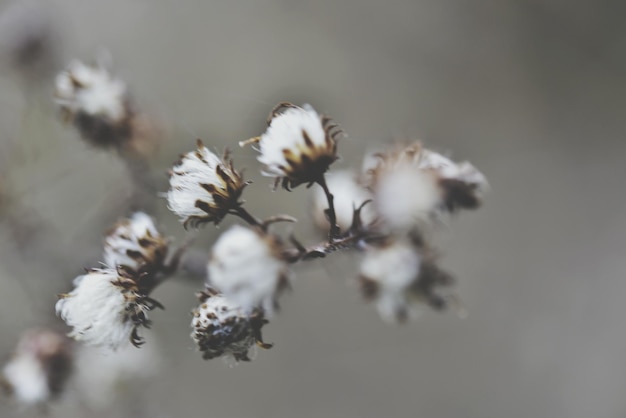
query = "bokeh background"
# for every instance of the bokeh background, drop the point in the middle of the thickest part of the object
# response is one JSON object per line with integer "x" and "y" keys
{"x": 531, "y": 92}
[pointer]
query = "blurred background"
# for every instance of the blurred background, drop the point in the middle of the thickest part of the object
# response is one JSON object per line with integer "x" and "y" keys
{"x": 531, "y": 92}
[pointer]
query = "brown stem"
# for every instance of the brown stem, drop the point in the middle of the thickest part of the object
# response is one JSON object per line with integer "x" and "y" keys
{"x": 247, "y": 216}
{"x": 335, "y": 231}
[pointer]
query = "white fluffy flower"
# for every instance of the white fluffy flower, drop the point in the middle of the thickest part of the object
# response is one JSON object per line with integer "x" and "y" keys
{"x": 203, "y": 188}
{"x": 298, "y": 146}
{"x": 39, "y": 368}
{"x": 397, "y": 276}
{"x": 412, "y": 185}
{"x": 221, "y": 328}
{"x": 105, "y": 308}
{"x": 348, "y": 196}
{"x": 247, "y": 267}
{"x": 135, "y": 243}
{"x": 91, "y": 90}
{"x": 406, "y": 196}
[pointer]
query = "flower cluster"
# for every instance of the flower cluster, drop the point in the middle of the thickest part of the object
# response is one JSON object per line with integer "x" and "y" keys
{"x": 386, "y": 212}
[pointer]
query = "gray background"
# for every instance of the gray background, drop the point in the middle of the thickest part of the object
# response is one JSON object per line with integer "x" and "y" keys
{"x": 531, "y": 92}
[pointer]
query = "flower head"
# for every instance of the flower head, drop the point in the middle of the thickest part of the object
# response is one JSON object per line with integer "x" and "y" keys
{"x": 204, "y": 188}
{"x": 298, "y": 146}
{"x": 106, "y": 308}
{"x": 247, "y": 266}
{"x": 221, "y": 328}
{"x": 136, "y": 244}
{"x": 398, "y": 275}
{"x": 412, "y": 184}
{"x": 97, "y": 103}
{"x": 39, "y": 368}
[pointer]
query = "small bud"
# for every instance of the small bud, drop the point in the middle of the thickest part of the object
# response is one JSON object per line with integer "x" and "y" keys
{"x": 204, "y": 188}
{"x": 221, "y": 328}
{"x": 247, "y": 266}
{"x": 298, "y": 146}
{"x": 39, "y": 368}
{"x": 399, "y": 275}
{"x": 106, "y": 308}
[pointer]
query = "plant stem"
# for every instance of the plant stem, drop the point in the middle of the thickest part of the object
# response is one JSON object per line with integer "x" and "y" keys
{"x": 335, "y": 231}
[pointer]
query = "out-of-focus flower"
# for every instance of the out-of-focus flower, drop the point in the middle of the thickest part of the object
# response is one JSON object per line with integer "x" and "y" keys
{"x": 348, "y": 196}
{"x": 106, "y": 308}
{"x": 298, "y": 146}
{"x": 400, "y": 275}
{"x": 39, "y": 368}
{"x": 96, "y": 102}
{"x": 221, "y": 328}
{"x": 412, "y": 185}
{"x": 247, "y": 266}
{"x": 203, "y": 187}
{"x": 136, "y": 244}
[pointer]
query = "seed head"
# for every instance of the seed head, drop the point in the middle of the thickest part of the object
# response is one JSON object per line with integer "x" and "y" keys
{"x": 298, "y": 146}
{"x": 203, "y": 187}
{"x": 412, "y": 185}
{"x": 95, "y": 102}
{"x": 398, "y": 276}
{"x": 221, "y": 328}
{"x": 136, "y": 244}
{"x": 247, "y": 266}
{"x": 106, "y": 308}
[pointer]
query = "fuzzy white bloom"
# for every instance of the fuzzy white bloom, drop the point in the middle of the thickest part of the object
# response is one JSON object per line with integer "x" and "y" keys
{"x": 105, "y": 308}
{"x": 391, "y": 270}
{"x": 298, "y": 146}
{"x": 135, "y": 243}
{"x": 222, "y": 329}
{"x": 348, "y": 196}
{"x": 203, "y": 187}
{"x": 406, "y": 196}
{"x": 398, "y": 275}
{"x": 247, "y": 267}
{"x": 92, "y": 90}
{"x": 39, "y": 368}
{"x": 413, "y": 185}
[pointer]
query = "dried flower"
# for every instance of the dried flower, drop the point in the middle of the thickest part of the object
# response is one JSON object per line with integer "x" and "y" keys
{"x": 221, "y": 328}
{"x": 298, "y": 146}
{"x": 106, "y": 308}
{"x": 136, "y": 244}
{"x": 412, "y": 185}
{"x": 247, "y": 266}
{"x": 398, "y": 275}
{"x": 39, "y": 367}
{"x": 97, "y": 103}
{"x": 204, "y": 188}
